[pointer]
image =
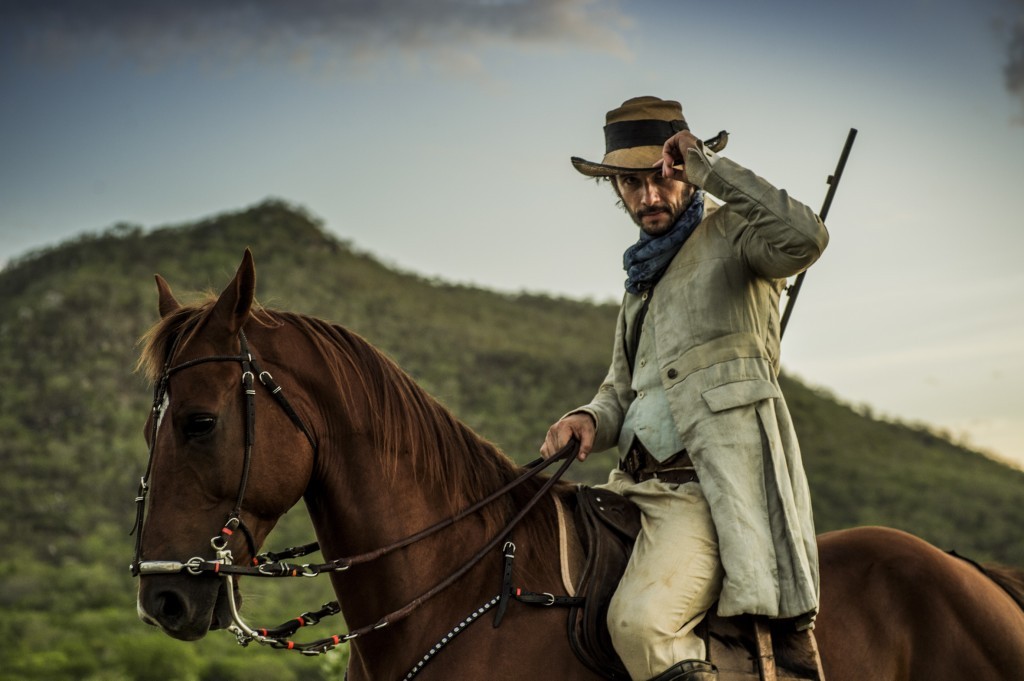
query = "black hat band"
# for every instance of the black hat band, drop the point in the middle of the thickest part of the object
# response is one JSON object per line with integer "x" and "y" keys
{"x": 648, "y": 133}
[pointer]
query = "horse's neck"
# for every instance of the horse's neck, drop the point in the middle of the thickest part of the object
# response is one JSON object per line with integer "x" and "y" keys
{"x": 364, "y": 498}
{"x": 359, "y": 506}
{"x": 361, "y": 500}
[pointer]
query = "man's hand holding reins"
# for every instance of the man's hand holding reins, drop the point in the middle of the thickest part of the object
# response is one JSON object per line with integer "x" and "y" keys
{"x": 579, "y": 425}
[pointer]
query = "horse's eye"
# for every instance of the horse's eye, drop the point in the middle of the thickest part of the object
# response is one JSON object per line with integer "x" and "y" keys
{"x": 199, "y": 425}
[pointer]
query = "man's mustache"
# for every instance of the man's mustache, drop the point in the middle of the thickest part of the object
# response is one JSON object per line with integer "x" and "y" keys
{"x": 651, "y": 210}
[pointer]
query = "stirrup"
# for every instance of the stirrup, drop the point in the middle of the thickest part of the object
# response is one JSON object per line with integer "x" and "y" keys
{"x": 806, "y": 661}
{"x": 765, "y": 653}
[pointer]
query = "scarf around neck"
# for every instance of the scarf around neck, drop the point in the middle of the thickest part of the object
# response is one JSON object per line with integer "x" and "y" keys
{"x": 647, "y": 259}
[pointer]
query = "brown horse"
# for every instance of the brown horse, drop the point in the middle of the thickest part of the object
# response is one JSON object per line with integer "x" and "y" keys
{"x": 377, "y": 460}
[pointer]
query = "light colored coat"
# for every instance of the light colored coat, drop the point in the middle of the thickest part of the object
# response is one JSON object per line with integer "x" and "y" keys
{"x": 716, "y": 313}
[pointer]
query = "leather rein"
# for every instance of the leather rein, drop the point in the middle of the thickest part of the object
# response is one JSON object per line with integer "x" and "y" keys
{"x": 272, "y": 564}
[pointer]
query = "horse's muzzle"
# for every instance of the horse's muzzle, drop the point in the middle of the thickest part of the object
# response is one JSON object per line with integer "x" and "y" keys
{"x": 185, "y": 608}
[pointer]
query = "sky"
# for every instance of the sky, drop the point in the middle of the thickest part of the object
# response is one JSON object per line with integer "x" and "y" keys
{"x": 437, "y": 136}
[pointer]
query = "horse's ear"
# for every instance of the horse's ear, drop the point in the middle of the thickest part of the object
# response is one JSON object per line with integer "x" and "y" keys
{"x": 235, "y": 302}
{"x": 168, "y": 303}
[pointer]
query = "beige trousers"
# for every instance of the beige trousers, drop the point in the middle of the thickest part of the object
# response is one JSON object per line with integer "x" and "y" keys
{"x": 673, "y": 577}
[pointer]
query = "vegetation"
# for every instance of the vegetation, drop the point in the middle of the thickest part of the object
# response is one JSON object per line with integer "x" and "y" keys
{"x": 72, "y": 410}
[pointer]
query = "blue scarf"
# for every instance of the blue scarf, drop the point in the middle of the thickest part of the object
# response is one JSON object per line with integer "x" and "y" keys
{"x": 647, "y": 259}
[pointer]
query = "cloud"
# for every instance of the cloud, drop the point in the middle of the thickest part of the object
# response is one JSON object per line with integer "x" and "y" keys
{"x": 1015, "y": 65}
{"x": 1013, "y": 71}
{"x": 157, "y": 30}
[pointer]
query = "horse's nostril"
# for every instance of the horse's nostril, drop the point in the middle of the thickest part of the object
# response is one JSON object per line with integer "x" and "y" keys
{"x": 178, "y": 610}
{"x": 169, "y": 606}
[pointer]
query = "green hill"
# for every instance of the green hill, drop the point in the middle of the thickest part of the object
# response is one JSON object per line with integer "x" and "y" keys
{"x": 72, "y": 410}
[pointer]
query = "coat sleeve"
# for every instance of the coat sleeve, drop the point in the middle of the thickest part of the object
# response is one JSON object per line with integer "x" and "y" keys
{"x": 607, "y": 407}
{"x": 607, "y": 413}
{"x": 777, "y": 236}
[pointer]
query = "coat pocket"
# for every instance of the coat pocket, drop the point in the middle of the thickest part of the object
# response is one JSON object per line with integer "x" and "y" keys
{"x": 739, "y": 393}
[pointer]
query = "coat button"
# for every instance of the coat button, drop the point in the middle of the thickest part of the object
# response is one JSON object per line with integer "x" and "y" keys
{"x": 672, "y": 373}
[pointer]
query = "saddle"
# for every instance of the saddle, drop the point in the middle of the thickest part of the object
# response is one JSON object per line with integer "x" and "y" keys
{"x": 607, "y": 525}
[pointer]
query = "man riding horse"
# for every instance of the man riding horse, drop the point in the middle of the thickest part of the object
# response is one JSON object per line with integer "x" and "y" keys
{"x": 692, "y": 401}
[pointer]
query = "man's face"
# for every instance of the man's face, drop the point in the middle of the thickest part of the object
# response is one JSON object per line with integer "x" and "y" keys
{"x": 653, "y": 201}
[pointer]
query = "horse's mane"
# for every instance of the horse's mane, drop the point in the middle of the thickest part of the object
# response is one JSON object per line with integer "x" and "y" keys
{"x": 1009, "y": 578}
{"x": 410, "y": 428}
{"x": 156, "y": 343}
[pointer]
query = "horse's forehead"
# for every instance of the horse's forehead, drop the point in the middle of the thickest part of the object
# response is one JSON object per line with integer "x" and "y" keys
{"x": 207, "y": 340}
{"x": 206, "y": 386}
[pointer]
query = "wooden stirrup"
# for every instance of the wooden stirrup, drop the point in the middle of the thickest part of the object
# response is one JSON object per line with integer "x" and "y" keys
{"x": 765, "y": 654}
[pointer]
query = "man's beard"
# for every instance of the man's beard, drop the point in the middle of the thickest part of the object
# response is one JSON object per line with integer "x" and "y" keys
{"x": 659, "y": 230}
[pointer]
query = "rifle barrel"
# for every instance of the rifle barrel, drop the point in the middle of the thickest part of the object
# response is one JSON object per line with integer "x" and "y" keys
{"x": 833, "y": 184}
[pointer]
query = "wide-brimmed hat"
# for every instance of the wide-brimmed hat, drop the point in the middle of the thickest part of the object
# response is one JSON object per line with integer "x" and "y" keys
{"x": 634, "y": 135}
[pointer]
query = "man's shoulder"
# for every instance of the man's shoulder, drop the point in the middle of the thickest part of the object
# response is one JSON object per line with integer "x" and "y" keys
{"x": 711, "y": 206}
{"x": 717, "y": 214}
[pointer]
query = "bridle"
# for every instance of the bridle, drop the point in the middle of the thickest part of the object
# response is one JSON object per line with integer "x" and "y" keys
{"x": 272, "y": 564}
{"x": 250, "y": 371}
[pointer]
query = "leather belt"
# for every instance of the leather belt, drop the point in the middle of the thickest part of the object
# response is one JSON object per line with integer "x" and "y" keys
{"x": 641, "y": 466}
